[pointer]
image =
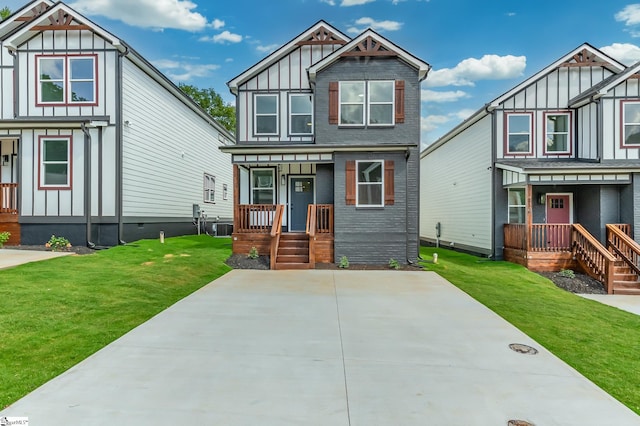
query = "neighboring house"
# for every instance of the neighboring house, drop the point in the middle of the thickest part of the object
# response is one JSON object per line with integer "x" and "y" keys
{"x": 538, "y": 174}
{"x": 326, "y": 158}
{"x": 96, "y": 145}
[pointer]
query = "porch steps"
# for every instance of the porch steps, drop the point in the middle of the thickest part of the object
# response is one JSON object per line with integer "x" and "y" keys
{"x": 293, "y": 252}
{"x": 625, "y": 280}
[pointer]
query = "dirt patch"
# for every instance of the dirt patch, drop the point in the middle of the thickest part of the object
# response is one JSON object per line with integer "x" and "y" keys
{"x": 581, "y": 283}
{"x": 242, "y": 261}
{"x": 73, "y": 249}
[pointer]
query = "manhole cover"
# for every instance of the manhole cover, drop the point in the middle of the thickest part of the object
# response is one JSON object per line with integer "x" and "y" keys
{"x": 519, "y": 423}
{"x": 523, "y": 349}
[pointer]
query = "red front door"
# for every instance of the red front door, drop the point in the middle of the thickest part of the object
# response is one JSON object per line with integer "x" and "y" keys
{"x": 558, "y": 212}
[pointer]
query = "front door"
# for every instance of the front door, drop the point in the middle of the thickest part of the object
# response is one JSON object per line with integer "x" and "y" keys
{"x": 558, "y": 212}
{"x": 301, "y": 195}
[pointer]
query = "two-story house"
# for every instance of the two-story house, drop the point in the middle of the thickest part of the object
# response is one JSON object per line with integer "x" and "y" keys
{"x": 326, "y": 157}
{"x": 547, "y": 174}
{"x": 96, "y": 145}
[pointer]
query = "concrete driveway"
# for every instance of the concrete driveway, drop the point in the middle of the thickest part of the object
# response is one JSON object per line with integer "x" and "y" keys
{"x": 322, "y": 348}
{"x": 12, "y": 257}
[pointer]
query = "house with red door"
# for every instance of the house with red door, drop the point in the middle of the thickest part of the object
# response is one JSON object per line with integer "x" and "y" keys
{"x": 547, "y": 174}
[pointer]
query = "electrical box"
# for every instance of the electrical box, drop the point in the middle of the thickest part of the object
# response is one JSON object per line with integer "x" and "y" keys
{"x": 196, "y": 211}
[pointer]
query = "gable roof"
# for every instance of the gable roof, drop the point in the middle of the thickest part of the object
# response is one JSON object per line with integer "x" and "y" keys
{"x": 604, "y": 86}
{"x": 22, "y": 15}
{"x": 370, "y": 43}
{"x": 319, "y": 33}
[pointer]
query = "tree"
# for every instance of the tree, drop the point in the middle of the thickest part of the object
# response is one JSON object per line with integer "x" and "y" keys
{"x": 212, "y": 103}
{"x": 5, "y": 12}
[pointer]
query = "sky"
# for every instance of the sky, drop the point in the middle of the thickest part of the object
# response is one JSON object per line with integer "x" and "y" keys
{"x": 477, "y": 49}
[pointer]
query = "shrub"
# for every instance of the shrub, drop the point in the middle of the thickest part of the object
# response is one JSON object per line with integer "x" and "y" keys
{"x": 393, "y": 264}
{"x": 58, "y": 243}
{"x": 253, "y": 253}
{"x": 567, "y": 273}
{"x": 4, "y": 237}
{"x": 344, "y": 262}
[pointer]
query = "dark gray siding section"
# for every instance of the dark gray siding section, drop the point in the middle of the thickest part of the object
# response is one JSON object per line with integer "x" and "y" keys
{"x": 630, "y": 205}
{"x": 368, "y": 69}
{"x": 501, "y": 214}
{"x": 375, "y": 235}
{"x": 324, "y": 184}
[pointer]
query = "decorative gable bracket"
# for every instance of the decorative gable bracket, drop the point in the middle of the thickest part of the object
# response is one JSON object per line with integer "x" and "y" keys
{"x": 35, "y": 12}
{"x": 61, "y": 21}
{"x": 584, "y": 58}
{"x": 322, "y": 37}
{"x": 370, "y": 47}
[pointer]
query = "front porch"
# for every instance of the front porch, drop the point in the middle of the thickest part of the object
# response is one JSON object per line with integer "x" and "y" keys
{"x": 260, "y": 226}
{"x": 9, "y": 212}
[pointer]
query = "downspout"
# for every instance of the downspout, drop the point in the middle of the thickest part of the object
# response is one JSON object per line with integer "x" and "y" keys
{"x": 407, "y": 154}
{"x": 87, "y": 181}
{"x": 119, "y": 137}
{"x": 494, "y": 172}
{"x": 15, "y": 82}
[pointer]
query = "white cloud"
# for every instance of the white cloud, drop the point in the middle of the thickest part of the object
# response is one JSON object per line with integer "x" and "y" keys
{"x": 355, "y": 2}
{"x": 366, "y": 22}
{"x": 183, "y": 71}
{"x": 222, "y": 38}
{"x": 432, "y": 122}
{"x": 463, "y": 114}
{"x": 157, "y": 14}
{"x": 467, "y": 72}
{"x": 439, "y": 97}
{"x": 626, "y": 53}
{"x": 268, "y": 48}
{"x": 630, "y": 15}
{"x": 329, "y": 2}
{"x": 217, "y": 24}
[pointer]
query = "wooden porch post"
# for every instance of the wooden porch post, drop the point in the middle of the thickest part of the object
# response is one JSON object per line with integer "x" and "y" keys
{"x": 529, "y": 215}
{"x": 236, "y": 196}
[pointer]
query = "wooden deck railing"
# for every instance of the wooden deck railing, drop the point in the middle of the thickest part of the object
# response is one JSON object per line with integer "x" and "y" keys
{"x": 324, "y": 218}
{"x": 623, "y": 246}
{"x": 311, "y": 228}
{"x": 624, "y": 227}
{"x": 276, "y": 231}
{"x": 515, "y": 236}
{"x": 254, "y": 218}
{"x": 594, "y": 258}
{"x": 9, "y": 198}
{"x": 541, "y": 237}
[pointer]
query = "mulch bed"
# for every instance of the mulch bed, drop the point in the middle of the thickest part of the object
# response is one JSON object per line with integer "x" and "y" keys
{"x": 581, "y": 283}
{"x": 242, "y": 261}
{"x": 73, "y": 249}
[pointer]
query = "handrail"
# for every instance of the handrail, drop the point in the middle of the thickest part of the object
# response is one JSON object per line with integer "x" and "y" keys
{"x": 9, "y": 198}
{"x": 624, "y": 247}
{"x": 595, "y": 259}
{"x": 276, "y": 231}
{"x": 312, "y": 211}
{"x": 624, "y": 227}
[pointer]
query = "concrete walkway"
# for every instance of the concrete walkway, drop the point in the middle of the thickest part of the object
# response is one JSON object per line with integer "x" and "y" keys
{"x": 322, "y": 348}
{"x": 11, "y": 257}
{"x": 620, "y": 301}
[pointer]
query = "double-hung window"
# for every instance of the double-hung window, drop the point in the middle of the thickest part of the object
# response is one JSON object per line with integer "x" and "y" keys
{"x": 262, "y": 186}
{"x": 55, "y": 162}
{"x": 301, "y": 114}
{"x": 517, "y": 205}
{"x": 381, "y": 110}
{"x": 557, "y": 133}
{"x": 631, "y": 124}
{"x": 352, "y": 103}
{"x": 67, "y": 80}
{"x": 266, "y": 114}
{"x": 519, "y": 133}
{"x": 370, "y": 183}
{"x": 372, "y": 103}
{"x": 209, "y": 188}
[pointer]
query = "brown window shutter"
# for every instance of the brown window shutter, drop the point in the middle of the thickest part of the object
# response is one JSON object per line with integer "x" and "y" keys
{"x": 399, "y": 101}
{"x": 350, "y": 184}
{"x": 388, "y": 183}
{"x": 333, "y": 102}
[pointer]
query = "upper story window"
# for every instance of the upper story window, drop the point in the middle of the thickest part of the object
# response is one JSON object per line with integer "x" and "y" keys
{"x": 519, "y": 133}
{"x": 55, "y": 162}
{"x": 370, "y": 185}
{"x": 209, "y": 188}
{"x": 631, "y": 124}
{"x": 371, "y": 103}
{"x": 352, "y": 103}
{"x": 301, "y": 114}
{"x": 381, "y": 102}
{"x": 557, "y": 133}
{"x": 266, "y": 114}
{"x": 67, "y": 80}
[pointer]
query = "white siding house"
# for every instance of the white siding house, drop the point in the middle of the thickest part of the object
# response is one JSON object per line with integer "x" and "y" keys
{"x": 96, "y": 144}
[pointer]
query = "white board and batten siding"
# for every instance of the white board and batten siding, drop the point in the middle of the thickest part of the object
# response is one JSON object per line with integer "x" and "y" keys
{"x": 287, "y": 75}
{"x": 455, "y": 189}
{"x": 166, "y": 151}
{"x": 551, "y": 93}
{"x": 611, "y": 105}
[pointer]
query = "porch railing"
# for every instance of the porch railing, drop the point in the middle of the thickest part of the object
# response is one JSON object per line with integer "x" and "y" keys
{"x": 324, "y": 218}
{"x": 276, "y": 231}
{"x": 254, "y": 218}
{"x": 541, "y": 237}
{"x": 312, "y": 226}
{"x": 9, "y": 198}
{"x": 624, "y": 247}
{"x": 624, "y": 227}
{"x": 594, "y": 258}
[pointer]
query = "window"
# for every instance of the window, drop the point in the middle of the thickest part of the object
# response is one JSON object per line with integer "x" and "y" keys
{"x": 381, "y": 102}
{"x": 519, "y": 134}
{"x": 557, "y": 137}
{"x": 300, "y": 114}
{"x": 370, "y": 183}
{"x": 266, "y": 115}
{"x": 224, "y": 191}
{"x": 55, "y": 162}
{"x": 631, "y": 124}
{"x": 262, "y": 186}
{"x": 517, "y": 205}
{"x": 209, "y": 188}
{"x": 66, "y": 80}
{"x": 352, "y": 103}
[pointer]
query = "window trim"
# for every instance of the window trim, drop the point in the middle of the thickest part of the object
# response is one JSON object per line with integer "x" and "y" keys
{"x": 519, "y": 206}
{"x": 506, "y": 134}
{"x": 291, "y": 114}
{"x": 363, "y": 103}
{"x": 623, "y": 123}
{"x": 381, "y": 184}
{"x": 66, "y": 80}
{"x": 569, "y": 149}
{"x": 41, "y": 162}
{"x": 273, "y": 183}
{"x": 255, "y": 114}
{"x": 209, "y": 189}
{"x": 392, "y": 103}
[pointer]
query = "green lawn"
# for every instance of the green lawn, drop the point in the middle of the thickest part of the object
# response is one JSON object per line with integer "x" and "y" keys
{"x": 601, "y": 342}
{"x": 54, "y": 314}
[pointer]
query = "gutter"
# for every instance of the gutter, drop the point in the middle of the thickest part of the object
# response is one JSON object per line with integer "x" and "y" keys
{"x": 119, "y": 136}
{"x": 87, "y": 182}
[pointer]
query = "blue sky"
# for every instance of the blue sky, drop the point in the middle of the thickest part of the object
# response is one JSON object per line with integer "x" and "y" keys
{"x": 478, "y": 49}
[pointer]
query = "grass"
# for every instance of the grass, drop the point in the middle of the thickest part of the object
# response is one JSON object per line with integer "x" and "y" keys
{"x": 56, "y": 313}
{"x": 601, "y": 342}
